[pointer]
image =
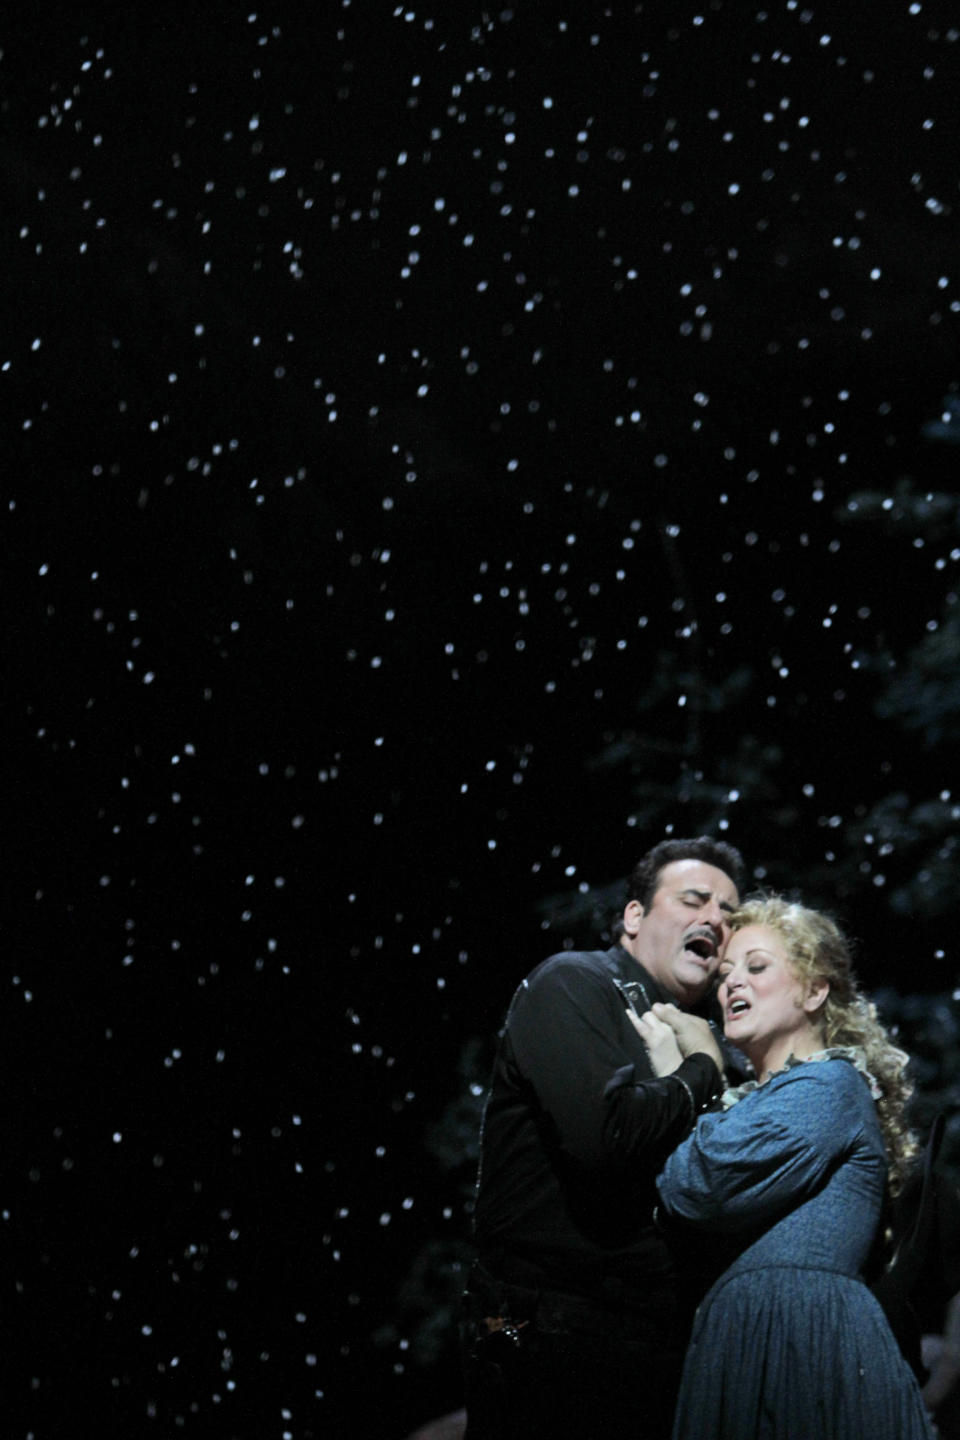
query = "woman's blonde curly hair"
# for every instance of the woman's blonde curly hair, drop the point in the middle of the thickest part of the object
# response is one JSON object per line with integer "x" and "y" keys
{"x": 818, "y": 951}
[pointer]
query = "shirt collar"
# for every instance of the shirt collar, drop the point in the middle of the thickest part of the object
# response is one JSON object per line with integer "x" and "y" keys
{"x": 631, "y": 972}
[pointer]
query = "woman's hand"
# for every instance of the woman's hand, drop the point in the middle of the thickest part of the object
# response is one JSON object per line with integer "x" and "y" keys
{"x": 659, "y": 1040}
{"x": 693, "y": 1034}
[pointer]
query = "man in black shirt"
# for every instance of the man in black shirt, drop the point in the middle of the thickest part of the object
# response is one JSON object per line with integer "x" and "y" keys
{"x": 572, "y": 1323}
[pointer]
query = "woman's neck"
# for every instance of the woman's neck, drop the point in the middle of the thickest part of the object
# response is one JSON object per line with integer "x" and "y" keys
{"x": 767, "y": 1060}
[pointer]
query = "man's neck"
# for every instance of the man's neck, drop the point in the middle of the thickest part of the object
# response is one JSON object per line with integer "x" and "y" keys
{"x": 658, "y": 991}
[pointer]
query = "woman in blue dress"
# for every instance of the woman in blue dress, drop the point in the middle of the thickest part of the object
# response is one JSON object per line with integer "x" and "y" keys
{"x": 790, "y": 1178}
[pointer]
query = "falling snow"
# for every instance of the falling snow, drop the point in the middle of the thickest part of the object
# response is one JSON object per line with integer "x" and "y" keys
{"x": 449, "y": 448}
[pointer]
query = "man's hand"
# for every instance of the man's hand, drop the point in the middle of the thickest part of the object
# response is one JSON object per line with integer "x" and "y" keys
{"x": 693, "y": 1035}
{"x": 659, "y": 1040}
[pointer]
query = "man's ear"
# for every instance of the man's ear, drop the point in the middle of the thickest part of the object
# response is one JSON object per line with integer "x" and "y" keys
{"x": 816, "y": 997}
{"x": 632, "y": 916}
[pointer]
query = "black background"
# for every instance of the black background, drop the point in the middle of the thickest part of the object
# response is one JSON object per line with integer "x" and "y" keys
{"x": 444, "y": 448}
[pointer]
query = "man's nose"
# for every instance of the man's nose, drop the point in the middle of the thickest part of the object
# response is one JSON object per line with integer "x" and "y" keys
{"x": 712, "y": 914}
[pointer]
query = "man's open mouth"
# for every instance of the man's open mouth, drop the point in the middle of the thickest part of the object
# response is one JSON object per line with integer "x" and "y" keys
{"x": 703, "y": 946}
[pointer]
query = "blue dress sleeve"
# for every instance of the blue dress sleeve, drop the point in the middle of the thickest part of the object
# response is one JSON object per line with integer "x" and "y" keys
{"x": 773, "y": 1148}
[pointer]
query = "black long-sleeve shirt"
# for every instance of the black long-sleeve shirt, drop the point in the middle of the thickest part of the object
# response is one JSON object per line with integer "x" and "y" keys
{"x": 576, "y": 1127}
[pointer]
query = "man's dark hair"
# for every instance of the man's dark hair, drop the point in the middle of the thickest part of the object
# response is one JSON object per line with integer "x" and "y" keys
{"x": 645, "y": 876}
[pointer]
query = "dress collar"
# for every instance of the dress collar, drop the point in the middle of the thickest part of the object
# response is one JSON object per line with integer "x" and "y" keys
{"x": 852, "y": 1053}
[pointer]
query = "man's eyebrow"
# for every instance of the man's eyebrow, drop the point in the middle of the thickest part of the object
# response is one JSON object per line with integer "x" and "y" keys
{"x": 704, "y": 895}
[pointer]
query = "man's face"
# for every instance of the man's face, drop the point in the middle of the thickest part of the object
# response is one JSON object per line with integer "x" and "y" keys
{"x": 681, "y": 936}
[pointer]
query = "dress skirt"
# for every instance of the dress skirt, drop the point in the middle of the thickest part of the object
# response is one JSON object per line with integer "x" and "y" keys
{"x": 787, "y": 1353}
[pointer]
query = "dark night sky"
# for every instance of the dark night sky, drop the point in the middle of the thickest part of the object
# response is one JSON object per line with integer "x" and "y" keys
{"x": 430, "y": 440}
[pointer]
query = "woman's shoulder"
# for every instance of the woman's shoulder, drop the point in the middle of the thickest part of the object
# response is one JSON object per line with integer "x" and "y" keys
{"x": 825, "y": 1099}
{"x": 843, "y": 1074}
{"x": 817, "y": 1083}
{"x": 841, "y": 1065}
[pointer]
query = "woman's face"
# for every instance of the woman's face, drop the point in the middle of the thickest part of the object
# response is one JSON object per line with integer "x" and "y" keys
{"x": 764, "y": 1002}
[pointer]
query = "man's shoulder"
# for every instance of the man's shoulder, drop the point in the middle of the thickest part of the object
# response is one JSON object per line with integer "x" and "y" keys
{"x": 573, "y": 965}
{"x": 581, "y": 979}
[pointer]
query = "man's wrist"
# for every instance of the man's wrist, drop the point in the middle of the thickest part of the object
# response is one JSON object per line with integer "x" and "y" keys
{"x": 704, "y": 1078}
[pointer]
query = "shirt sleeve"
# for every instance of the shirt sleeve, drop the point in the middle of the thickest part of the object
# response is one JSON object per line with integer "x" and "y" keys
{"x": 749, "y": 1164}
{"x": 572, "y": 1043}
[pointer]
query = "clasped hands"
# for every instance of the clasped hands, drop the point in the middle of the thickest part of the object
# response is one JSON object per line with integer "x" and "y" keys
{"x": 670, "y": 1035}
